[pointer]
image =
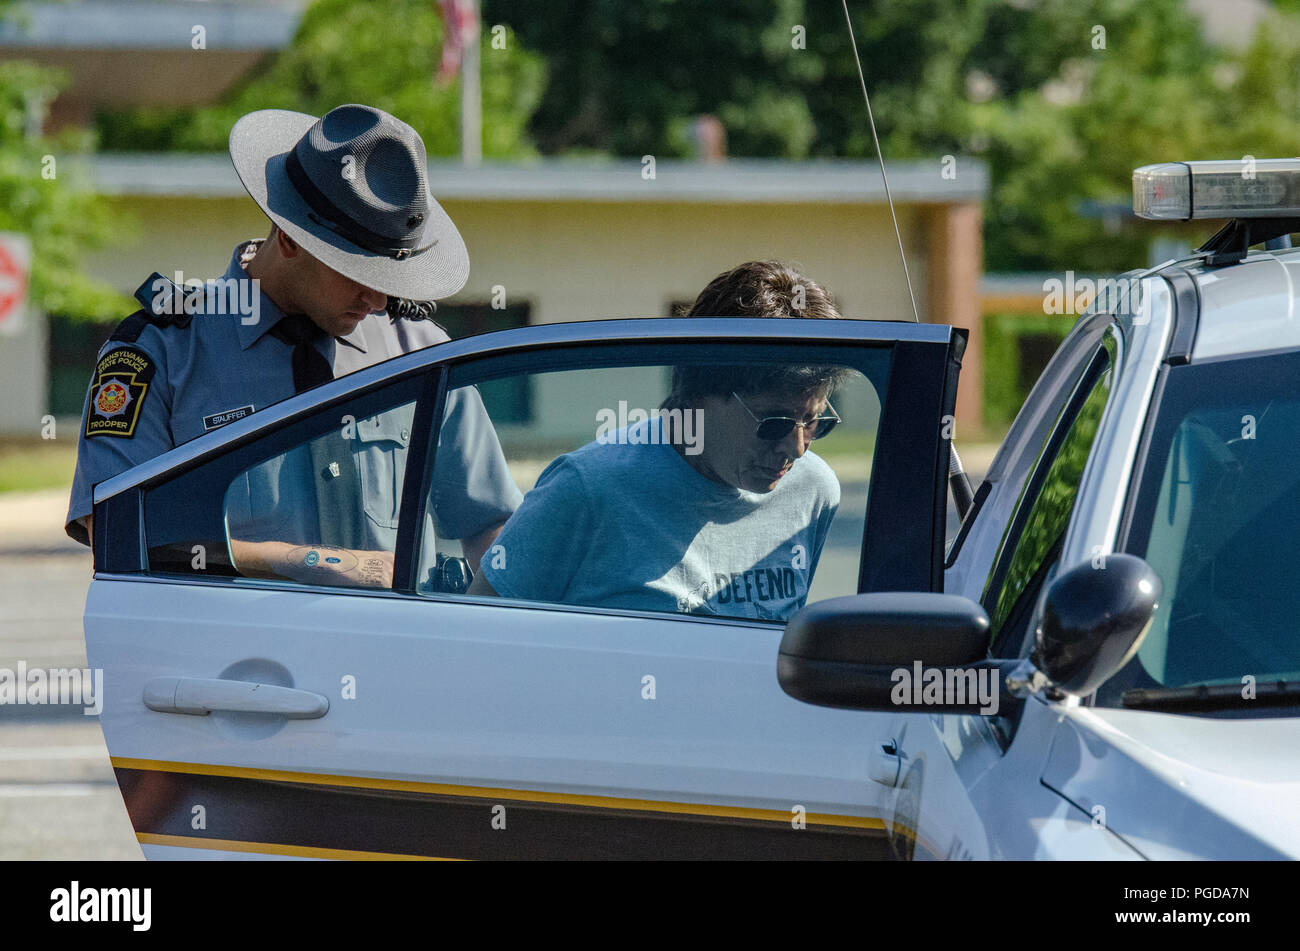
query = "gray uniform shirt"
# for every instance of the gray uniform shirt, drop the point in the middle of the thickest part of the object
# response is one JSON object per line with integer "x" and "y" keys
{"x": 173, "y": 384}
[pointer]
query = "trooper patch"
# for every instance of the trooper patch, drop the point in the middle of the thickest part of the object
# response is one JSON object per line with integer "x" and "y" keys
{"x": 121, "y": 381}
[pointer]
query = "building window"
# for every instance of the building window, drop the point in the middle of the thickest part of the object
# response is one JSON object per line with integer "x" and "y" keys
{"x": 512, "y": 403}
{"x": 73, "y": 346}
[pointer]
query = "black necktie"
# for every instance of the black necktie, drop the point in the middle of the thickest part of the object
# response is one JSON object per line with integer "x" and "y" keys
{"x": 310, "y": 368}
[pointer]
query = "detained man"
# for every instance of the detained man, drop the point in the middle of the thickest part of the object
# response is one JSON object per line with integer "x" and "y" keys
{"x": 729, "y": 522}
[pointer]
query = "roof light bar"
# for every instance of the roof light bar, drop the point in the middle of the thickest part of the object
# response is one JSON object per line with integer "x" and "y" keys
{"x": 1238, "y": 188}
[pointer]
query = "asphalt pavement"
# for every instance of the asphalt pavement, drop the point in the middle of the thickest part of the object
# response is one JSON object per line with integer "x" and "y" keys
{"x": 58, "y": 799}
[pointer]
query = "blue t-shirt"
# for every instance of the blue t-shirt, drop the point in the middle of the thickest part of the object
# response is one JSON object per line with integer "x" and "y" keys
{"x": 628, "y": 523}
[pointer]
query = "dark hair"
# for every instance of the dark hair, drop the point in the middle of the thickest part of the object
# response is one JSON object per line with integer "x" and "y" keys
{"x": 763, "y": 289}
{"x": 401, "y": 308}
{"x": 757, "y": 289}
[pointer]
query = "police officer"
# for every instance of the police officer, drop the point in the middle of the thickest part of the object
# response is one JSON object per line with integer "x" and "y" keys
{"x": 354, "y": 230}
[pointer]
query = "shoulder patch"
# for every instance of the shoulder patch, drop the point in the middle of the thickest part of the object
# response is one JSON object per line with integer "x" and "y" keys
{"x": 117, "y": 391}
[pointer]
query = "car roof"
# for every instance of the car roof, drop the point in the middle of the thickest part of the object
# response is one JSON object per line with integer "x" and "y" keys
{"x": 1250, "y": 307}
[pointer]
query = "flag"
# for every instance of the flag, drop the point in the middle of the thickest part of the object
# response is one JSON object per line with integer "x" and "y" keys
{"x": 461, "y": 18}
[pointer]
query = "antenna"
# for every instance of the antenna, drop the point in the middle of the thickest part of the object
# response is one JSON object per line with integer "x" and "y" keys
{"x": 916, "y": 315}
{"x": 958, "y": 481}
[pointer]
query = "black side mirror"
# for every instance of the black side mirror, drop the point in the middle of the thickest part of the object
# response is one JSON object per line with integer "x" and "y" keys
{"x": 867, "y": 651}
{"x": 1094, "y": 619}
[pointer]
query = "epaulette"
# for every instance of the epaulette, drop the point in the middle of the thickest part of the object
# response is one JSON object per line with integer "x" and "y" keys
{"x": 130, "y": 329}
{"x": 164, "y": 304}
{"x": 167, "y": 303}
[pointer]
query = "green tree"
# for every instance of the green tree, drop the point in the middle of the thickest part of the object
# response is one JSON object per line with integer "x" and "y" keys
{"x": 1060, "y": 112}
{"x": 628, "y": 76}
{"x": 43, "y": 195}
{"x": 1157, "y": 93}
{"x": 383, "y": 54}
{"x": 1062, "y": 98}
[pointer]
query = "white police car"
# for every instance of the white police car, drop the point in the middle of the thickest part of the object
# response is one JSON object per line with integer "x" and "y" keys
{"x": 1127, "y": 571}
{"x": 254, "y": 716}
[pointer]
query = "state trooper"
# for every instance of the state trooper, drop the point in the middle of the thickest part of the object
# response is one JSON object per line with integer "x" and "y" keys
{"x": 356, "y": 239}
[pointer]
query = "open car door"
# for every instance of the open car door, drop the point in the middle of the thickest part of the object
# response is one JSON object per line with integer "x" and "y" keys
{"x": 281, "y": 704}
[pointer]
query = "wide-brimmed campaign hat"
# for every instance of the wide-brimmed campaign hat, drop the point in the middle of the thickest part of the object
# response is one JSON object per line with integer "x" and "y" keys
{"x": 351, "y": 188}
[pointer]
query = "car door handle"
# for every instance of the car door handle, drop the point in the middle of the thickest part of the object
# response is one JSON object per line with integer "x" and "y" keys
{"x": 199, "y": 697}
{"x": 886, "y": 764}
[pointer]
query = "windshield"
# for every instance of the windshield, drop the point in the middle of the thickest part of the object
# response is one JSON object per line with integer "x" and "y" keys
{"x": 1218, "y": 516}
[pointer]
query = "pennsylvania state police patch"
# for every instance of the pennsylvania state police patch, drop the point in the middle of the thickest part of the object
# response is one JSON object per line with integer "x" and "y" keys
{"x": 121, "y": 382}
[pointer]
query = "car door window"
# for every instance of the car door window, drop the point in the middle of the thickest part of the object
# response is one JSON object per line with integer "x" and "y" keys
{"x": 1216, "y": 516}
{"x": 683, "y": 480}
{"x": 315, "y": 502}
{"x": 326, "y": 510}
{"x": 1033, "y": 541}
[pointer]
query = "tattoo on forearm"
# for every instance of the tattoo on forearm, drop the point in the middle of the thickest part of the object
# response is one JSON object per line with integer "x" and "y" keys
{"x": 371, "y": 572}
{"x": 322, "y": 558}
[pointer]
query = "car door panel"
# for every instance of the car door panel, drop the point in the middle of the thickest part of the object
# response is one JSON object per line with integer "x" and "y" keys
{"x": 980, "y": 800}
{"x": 482, "y": 728}
{"x": 478, "y": 706}
{"x": 976, "y": 804}
{"x": 941, "y": 753}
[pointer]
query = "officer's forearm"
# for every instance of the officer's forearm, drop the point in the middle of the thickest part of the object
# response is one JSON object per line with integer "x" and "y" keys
{"x": 313, "y": 564}
{"x": 259, "y": 559}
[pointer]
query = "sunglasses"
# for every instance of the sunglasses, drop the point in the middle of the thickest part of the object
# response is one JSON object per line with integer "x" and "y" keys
{"x": 773, "y": 428}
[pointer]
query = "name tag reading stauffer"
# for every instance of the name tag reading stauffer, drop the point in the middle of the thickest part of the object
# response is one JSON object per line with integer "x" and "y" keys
{"x": 217, "y": 420}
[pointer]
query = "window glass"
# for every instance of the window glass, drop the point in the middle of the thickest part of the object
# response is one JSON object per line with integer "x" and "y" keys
{"x": 317, "y": 501}
{"x": 324, "y": 511}
{"x": 1044, "y": 510}
{"x": 692, "y": 486}
{"x": 1217, "y": 515}
{"x": 465, "y": 319}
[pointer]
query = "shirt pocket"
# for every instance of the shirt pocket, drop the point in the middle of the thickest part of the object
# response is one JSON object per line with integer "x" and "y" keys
{"x": 381, "y": 444}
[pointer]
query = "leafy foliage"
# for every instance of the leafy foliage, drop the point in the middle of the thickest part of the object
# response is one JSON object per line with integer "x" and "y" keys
{"x": 1062, "y": 98}
{"x": 1157, "y": 93}
{"x": 43, "y": 196}
{"x": 381, "y": 54}
{"x": 627, "y": 76}
{"x": 1005, "y": 390}
{"x": 1049, "y": 512}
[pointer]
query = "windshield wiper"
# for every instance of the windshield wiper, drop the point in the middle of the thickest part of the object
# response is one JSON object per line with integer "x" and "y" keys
{"x": 1266, "y": 693}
